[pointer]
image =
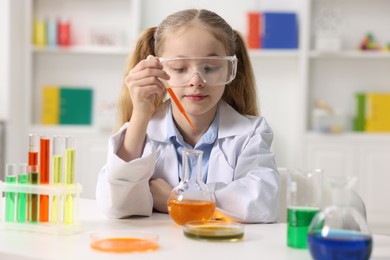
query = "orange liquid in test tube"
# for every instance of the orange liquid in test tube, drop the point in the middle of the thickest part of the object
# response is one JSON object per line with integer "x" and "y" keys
{"x": 32, "y": 158}
{"x": 44, "y": 178}
{"x": 33, "y": 148}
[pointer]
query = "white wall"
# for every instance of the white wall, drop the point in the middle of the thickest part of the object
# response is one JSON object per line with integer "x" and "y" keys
{"x": 4, "y": 58}
{"x": 16, "y": 141}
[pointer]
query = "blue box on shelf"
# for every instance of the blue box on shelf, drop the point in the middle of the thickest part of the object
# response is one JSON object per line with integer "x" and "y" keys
{"x": 280, "y": 30}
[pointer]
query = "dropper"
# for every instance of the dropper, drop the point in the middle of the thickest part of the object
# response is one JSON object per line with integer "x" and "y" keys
{"x": 180, "y": 106}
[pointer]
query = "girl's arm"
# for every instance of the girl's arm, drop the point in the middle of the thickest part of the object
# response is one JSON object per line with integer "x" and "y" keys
{"x": 123, "y": 187}
{"x": 144, "y": 88}
{"x": 253, "y": 194}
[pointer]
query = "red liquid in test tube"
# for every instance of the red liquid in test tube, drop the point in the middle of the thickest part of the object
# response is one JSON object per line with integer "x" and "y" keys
{"x": 44, "y": 178}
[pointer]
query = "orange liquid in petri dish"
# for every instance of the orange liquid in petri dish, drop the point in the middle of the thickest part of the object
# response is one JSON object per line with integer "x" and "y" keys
{"x": 124, "y": 245}
{"x": 188, "y": 210}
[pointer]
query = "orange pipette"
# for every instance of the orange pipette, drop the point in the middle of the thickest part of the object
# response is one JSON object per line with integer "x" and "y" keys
{"x": 180, "y": 106}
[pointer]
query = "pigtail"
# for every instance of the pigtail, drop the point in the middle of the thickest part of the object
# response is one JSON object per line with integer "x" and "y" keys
{"x": 143, "y": 48}
{"x": 241, "y": 92}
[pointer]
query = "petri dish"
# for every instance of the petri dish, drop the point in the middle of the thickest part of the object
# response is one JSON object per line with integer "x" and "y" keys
{"x": 124, "y": 241}
{"x": 214, "y": 230}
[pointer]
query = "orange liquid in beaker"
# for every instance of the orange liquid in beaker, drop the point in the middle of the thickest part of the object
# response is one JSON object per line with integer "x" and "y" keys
{"x": 124, "y": 245}
{"x": 188, "y": 210}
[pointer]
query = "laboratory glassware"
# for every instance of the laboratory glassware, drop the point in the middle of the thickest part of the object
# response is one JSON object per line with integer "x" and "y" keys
{"x": 21, "y": 202}
{"x": 191, "y": 199}
{"x": 304, "y": 200}
{"x": 44, "y": 160}
{"x": 70, "y": 156}
{"x": 10, "y": 197}
{"x": 58, "y": 148}
{"x": 340, "y": 231}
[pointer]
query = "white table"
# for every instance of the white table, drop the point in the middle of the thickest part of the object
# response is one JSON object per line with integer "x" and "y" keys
{"x": 261, "y": 241}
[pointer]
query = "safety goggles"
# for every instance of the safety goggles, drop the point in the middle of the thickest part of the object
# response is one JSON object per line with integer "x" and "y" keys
{"x": 213, "y": 71}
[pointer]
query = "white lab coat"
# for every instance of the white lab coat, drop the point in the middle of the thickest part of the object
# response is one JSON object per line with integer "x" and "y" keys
{"x": 242, "y": 170}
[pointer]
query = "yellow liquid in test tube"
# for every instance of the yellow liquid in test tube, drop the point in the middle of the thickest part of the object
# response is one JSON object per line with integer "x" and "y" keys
{"x": 69, "y": 180}
{"x": 56, "y": 200}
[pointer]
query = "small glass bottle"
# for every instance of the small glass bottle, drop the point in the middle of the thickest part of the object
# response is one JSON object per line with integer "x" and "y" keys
{"x": 191, "y": 199}
{"x": 340, "y": 231}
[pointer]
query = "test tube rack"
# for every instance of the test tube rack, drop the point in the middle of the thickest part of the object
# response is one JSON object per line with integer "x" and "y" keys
{"x": 59, "y": 227}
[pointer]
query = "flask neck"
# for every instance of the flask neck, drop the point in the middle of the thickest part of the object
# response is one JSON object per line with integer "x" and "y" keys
{"x": 192, "y": 166}
{"x": 341, "y": 197}
{"x": 341, "y": 190}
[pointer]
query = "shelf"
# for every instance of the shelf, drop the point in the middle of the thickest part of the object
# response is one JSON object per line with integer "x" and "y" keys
{"x": 126, "y": 51}
{"x": 98, "y": 50}
{"x": 348, "y": 136}
{"x": 350, "y": 55}
{"x": 267, "y": 53}
{"x": 74, "y": 130}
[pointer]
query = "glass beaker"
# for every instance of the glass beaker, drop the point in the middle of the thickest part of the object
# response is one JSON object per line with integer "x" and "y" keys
{"x": 304, "y": 200}
{"x": 340, "y": 231}
{"x": 191, "y": 199}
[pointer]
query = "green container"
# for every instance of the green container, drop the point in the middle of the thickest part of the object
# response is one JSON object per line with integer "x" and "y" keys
{"x": 299, "y": 219}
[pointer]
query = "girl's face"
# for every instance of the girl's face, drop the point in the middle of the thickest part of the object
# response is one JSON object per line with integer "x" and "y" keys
{"x": 197, "y": 97}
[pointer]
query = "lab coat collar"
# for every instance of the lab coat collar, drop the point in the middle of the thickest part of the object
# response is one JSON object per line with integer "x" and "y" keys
{"x": 231, "y": 123}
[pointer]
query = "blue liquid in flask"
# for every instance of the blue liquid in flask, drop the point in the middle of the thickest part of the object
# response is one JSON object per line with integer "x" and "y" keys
{"x": 340, "y": 245}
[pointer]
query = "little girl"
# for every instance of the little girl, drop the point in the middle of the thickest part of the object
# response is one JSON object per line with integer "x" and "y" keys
{"x": 206, "y": 64}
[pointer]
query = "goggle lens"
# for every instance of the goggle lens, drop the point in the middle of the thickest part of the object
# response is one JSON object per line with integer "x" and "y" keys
{"x": 213, "y": 71}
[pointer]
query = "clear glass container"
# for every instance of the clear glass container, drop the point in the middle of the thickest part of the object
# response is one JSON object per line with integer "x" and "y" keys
{"x": 191, "y": 199}
{"x": 304, "y": 201}
{"x": 340, "y": 231}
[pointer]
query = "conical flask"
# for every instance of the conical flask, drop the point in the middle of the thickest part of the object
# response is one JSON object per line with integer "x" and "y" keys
{"x": 191, "y": 199}
{"x": 340, "y": 231}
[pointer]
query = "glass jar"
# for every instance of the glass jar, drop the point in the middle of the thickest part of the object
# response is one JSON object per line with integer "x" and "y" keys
{"x": 191, "y": 199}
{"x": 339, "y": 231}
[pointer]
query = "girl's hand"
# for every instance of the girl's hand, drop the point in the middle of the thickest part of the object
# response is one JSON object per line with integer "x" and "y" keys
{"x": 145, "y": 87}
{"x": 160, "y": 190}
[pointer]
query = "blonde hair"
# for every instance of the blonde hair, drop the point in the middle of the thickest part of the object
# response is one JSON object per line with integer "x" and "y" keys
{"x": 240, "y": 93}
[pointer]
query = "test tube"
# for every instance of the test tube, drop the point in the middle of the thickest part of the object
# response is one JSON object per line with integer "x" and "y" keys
{"x": 10, "y": 196}
{"x": 21, "y": 203}
{"x": 33, "y": 152}
{"x": 58, "y": 147}
{"x": 34, "y": 197}
{"x": 70, "y": 153}
{"x": 44, "y": 177}
{"x": 33, "y": 149}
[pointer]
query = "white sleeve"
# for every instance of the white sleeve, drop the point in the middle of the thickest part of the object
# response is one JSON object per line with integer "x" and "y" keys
{"x": 123, "y": 187}
{"x": 253, "y": 194}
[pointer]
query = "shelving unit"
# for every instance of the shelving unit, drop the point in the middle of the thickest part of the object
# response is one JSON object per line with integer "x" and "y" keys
{"x": 96, "y": 50}
{"x": 335, "y": 77}
{"x": 350, "y": 55}
{"x": 288, "y": 81}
